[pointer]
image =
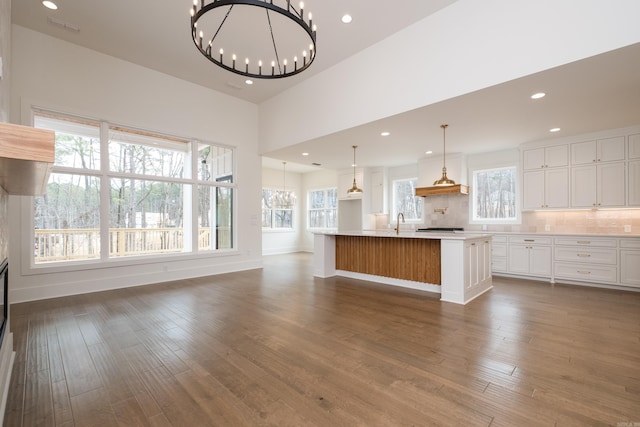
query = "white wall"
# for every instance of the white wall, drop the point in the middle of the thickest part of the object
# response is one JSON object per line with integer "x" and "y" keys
{"x": 5, "y": 54}
{"x": 465, "y": 47}
{"x": 54, "y": 74}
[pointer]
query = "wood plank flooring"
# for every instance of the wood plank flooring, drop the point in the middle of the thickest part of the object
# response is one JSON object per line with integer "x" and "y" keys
{"x": 277, "y": 347}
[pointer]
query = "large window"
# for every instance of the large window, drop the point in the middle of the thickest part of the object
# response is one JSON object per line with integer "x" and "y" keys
{"x": 277, "y": 215}
{"x": 120, "y": 192}
{"x": 405, "y": 201}
{"x": 494, "y": 196}
{"x": 323, "y": 208}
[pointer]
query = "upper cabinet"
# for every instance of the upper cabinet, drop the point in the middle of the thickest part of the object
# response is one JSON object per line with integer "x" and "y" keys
{"x": 599, "y": 172}
{"x": 26, "y": 159}
{"x": 601, "y": 150}
{"x": 546, "y": 157}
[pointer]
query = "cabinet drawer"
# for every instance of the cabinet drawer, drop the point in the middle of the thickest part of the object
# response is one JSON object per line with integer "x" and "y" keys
{"x": 631, "y": 244}
{"x": 586, "y": 255}
{"x": 530, "y": 240}
{"x": 586, "y": 241}
{"x": 586, "y": 273}
{"x": 499, "y": 249}
{"x": 499, "y": 264}
{"x": 499, "y": 239}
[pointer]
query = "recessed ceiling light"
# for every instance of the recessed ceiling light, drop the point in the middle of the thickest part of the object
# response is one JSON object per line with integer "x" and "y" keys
{"x": 249, "y": 81}
{"x": 385, "y": 133}
{"x": 305, "y": 154}
{"x": 346, "y": 18}
{"x": 49, "y": 5}
{"x": 538, "y": 95}
{"x": 428, "y": 152}
{"x": 554, "y": 130}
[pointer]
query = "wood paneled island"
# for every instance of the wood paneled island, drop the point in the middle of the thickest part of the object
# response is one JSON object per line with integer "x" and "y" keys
{"x": 456, "y": 265}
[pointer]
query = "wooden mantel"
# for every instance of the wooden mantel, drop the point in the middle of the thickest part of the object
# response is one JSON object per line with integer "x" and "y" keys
{"x": 437, "y": 191}
{"x": 26, "y": 158}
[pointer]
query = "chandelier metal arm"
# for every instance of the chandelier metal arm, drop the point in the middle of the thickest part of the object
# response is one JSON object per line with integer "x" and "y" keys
{"x": 289, "y": 12}
{"x": 275, "y": 48}
{"x": 208, "y": 50}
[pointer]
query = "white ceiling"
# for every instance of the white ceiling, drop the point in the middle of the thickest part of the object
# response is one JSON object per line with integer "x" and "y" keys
{"x": 597, "y": 93}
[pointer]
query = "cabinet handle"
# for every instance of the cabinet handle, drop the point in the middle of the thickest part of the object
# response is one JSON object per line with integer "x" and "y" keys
{"x": 473, "y": 244}
{"x": 529, "y": 240}
{"x": 584, "y": 272}
{"x": 584, "y": 242}
{"x": 584, "y": 255}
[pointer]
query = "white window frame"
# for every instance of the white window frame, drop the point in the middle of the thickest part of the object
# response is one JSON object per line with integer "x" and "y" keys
{"x": 325, "y": 208}
{"x": 28, "y": 262}
{"x": 273, "y": 229}
{"x": 394, "y": 211}
{"x": 494, "y": 221}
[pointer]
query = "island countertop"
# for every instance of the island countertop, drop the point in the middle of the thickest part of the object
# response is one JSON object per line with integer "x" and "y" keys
{"x": 455, "y": 235}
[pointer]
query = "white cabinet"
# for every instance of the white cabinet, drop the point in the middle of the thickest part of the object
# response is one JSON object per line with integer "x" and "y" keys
{"x": 601, "y": 185}
{"x": 377, "y": 192}
{"x": 546, "y": 157}
{"x": 586, "y": 259}
{"x": 601, "y": 150}
{"x": 630, "y": 262}
{"x": 633, "y": 179}
{"x": 530, "y": 255}
{"x": 548, "y": 188}
{"x": 478, "y": 257}
{"x": 499, "y": 254}
{"x": 634, "y": 146}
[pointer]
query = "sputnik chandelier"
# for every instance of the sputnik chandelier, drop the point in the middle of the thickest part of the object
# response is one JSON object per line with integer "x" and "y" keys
{"x": 265, "y": 39}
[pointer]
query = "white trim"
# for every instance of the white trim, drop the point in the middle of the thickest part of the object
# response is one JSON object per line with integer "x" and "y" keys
{"x": 421, "y": 286}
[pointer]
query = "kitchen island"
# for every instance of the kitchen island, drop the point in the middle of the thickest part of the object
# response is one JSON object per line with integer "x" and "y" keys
{"x": 455, "y": 265}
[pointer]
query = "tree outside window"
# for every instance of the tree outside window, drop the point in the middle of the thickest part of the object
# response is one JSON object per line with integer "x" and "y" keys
{"x": 405, "y": 201}
{"x": 494, "y": 195}
{"x": 323, "y": 208}
{"x": 129, "y": 193}
{"x": 273, "y": 215}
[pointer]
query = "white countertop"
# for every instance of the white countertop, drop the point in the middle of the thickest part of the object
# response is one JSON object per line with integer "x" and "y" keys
{"x": 456, "y": 235}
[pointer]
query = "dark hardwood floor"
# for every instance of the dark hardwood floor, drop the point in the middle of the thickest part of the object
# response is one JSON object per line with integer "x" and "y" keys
{"x": 277, "y": 347}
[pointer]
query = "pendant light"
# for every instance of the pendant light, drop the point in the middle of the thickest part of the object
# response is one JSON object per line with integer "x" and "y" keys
{"x": 354, "y": 188}
{"x": 284, "y": 199}
{"x": 444, "y": 181}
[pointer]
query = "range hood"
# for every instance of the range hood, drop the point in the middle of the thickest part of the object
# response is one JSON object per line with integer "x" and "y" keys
{"x": 440, "y": 190}
{"x": 26, "y": 159}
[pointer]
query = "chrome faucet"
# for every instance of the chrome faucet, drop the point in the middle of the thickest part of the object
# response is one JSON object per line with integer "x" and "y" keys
{"x": 400, "y": 214}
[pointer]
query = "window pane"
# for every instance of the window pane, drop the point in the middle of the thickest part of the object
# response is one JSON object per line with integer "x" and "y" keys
{"x": 405, "y": 201}
{"x": 146, "y": 217}
{"x": 332, "y": 218}
{"x": 332, "y": 198}
{"x": 215, "y": 217}
{"x": 495, "y": 194}
{"x": 146, "y": 154}
{"x": 214, "y": 163}
{"x": 67, "y": 219}
{"x": 266, "y": 218}
{"x": 317, "y": 199}
{"x": 283, "y": 218}
{"x": 77, "y": 142}
{"x": 317, "y": 219}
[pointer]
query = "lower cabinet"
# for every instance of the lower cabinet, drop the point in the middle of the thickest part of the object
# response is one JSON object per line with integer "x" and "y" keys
{"x": 478, "y": 256}
{"x": 630, "y": 262}
{"x": 530, "y": 255}
{"x": 571, "y": 258}
{"x": 591, "y": 259}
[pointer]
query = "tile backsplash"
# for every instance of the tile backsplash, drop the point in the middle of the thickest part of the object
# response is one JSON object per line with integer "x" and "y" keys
{"x": 570, "y": 222}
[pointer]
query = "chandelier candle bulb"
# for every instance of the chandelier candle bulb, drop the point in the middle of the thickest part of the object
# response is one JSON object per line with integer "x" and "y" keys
{"x": 221, "y": 52}
{"x": 302, "y": 11}
{"x": 311, "y": 20}
{"x": 285, "y": 65}
{"x": 246, "y": 65}
{"x": 260, "y": 67}
{"x": 273, "y": 67}
{"x": 200, "y": 38}
{"x": 295, "y": 63}
{"x": 233, "y": 57}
